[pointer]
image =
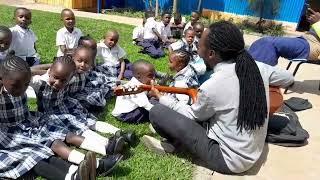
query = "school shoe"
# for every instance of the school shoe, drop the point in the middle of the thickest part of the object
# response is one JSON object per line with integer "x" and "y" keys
{"x": 82, "y": 172}
{"x": 108, "y": 163}
{"x": 157, "y": 146}
{"x": 91, "y": 159}
{"x": 129, "y": 136}
{"x": 115, "y": 145}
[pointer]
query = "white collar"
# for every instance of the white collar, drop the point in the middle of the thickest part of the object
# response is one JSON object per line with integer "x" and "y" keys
{"x": 20, "y": 29}
{"x": 102, "y": 44}
{"x": 182, "y": 71}
{"x": 65, "y": 30}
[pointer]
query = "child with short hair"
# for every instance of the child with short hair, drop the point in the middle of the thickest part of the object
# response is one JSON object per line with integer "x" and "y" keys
{"x": 164, "y": 29}
{"x": 185, "y": 77}
{"x": 195, "y": 16}
{"x": 151, "y": 37}
{"x": 5, "y": 41}
{"x": 91, "y": 89}
{"x": 137, "y": 34}
{"x": 113, "y": 56}
{"x": 23, "y": 38}
{"x": 52, "y": 97}
{"x": 23, "y": 133}
{"x": 189, "y": 44}
{"x": 134, "y": 109}
{"x": 67, "y": 37}
{"x": 177, "y": 24}
{"x": 198, "y": 27}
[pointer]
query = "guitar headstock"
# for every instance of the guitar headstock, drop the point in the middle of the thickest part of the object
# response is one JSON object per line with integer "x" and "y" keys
{"x": 127, "y": 90}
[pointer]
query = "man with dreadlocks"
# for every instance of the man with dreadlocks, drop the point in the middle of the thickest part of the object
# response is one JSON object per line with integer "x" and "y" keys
{"x": 233, "y": 102}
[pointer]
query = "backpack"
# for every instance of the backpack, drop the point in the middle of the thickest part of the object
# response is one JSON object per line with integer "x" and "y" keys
{"x": 284, "y": 129}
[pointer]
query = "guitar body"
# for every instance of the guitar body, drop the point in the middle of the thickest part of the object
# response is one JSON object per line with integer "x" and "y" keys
{"x": 276, "y": 99}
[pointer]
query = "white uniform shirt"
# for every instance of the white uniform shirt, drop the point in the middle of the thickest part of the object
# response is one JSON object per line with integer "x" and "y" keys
{"x": 188, "y": 25}
{"x": 164, "y": 31}
{"x": 70, "y": 40}
{"x": 138, "y": 32}
{"x": 109, "y": 57}
{"x": 218, "y": 104}
{"x": 148, "y": 26}
{"x": 23, "y": 41}
{"x": 3, "y": 55}
{"x": 128, "y": 103}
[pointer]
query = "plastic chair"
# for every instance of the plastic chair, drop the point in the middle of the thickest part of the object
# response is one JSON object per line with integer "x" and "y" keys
{"x": 301, "y": 61}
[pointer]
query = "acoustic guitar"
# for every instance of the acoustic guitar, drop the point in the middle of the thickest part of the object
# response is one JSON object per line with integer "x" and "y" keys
{"x": 276, "y": 98}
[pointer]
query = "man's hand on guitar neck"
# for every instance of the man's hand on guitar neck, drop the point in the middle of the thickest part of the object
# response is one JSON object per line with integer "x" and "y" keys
{"x": 154, "y": 92}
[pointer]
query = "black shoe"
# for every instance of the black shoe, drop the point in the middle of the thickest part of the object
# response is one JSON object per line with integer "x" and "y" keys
{"x": 108, "y": 163}
{"x": 130, "y": 137}
{"x": 115, "y": 145}
{"x": 92, "y": 164}
{"x": 82, "y": 172}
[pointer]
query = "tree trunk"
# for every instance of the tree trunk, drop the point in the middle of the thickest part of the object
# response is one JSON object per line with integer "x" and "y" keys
{"x": 199, "y": 6}
{"x": 157, "y": 8}
{"x": 175, "y": 7}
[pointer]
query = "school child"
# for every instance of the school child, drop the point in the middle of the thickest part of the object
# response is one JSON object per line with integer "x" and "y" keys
{"x": 195, "y": 16}
{"x": 188, "y": 43}
{"x": 23, "y": 38}
{"x": 177, "y": 24}
{"x": 5, "y": 41}
{"x": 67, "y": 37}
{"x": 137, "y": 34}
{"x": 91, "y": 89}
{"x": 134, "y": 109}
{"x": 185, "y": 77}
{"x": 198, "y": 27}
{"x": 52, "y": 98}
{"x": 151, "y": 38}
{"x": 113, "y": 56}
{"x": 164, "y": 29}
{"x": 25, "y": 138}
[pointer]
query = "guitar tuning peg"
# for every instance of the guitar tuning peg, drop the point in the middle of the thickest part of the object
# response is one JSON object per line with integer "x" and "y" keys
{"x": 135, "y": 88}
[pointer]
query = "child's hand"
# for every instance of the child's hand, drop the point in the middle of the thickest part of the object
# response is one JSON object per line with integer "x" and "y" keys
{"x": 120, "y": 77}
{"x": 314, "y": 16}
{"x": 154, "y": 92}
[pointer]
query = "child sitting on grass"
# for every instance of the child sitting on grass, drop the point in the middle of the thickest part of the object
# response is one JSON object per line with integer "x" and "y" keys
{"x": 68, "y": 36}
{"x": 137, "y": 34}
{"x": 134, "y": 108}
{"x": 23, "y": 38}
{"x": 177, "y": 24}
{"x": 91, "y": 89}
{"x": 185, "y": 77}
{"x": 195, "y": 16}
{"x": 164, "y": 29}
{"x": 188, "y": 43}
{"x": 5, "y": 41}
{"x": 151, "y": 37}
{"x": 113, "y": 56}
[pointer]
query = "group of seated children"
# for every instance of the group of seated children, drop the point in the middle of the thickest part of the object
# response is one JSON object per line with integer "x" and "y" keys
{"x": 76, "y": 86}
{"x": 154, "y": 36}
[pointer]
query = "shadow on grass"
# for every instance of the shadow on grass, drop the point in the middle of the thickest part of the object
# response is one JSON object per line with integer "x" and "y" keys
{"x": 120, "y": 171}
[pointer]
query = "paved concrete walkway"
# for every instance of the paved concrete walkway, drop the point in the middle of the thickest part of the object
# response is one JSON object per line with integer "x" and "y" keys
{"x": 30, "y": 4}
{"x": 276, "y": 162}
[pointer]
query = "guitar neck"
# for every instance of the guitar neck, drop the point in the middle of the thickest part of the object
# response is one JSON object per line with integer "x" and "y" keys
{"x": 166, "y": 89}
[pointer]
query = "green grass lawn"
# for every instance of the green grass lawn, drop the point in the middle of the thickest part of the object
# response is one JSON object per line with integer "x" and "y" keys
{"x": 140, "y": 163}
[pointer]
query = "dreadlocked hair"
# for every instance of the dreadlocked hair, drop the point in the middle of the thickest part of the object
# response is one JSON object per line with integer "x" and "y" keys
{"x": 227, "y": 41}
{"x": 64, "y": 60}
{"x": 13, "y": 64}
{"x": 183, "y": 55}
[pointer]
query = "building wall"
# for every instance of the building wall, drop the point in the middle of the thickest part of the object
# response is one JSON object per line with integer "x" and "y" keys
{"x": 290, "y": 10}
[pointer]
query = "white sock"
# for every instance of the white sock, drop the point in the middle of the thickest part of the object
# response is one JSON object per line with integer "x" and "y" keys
{"x": 104, "y": 127}
{"x": 75, "y": 157}
{"x": 93, "y": 145}
{"x": 72, "y": 169}
{"x": 89, "y": 134}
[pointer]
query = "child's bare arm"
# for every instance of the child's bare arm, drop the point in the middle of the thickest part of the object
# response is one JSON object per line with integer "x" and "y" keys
{"x": 157, "y": 34}
{"x": 122, "y": 68}
{"x": 63, "y": 48}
